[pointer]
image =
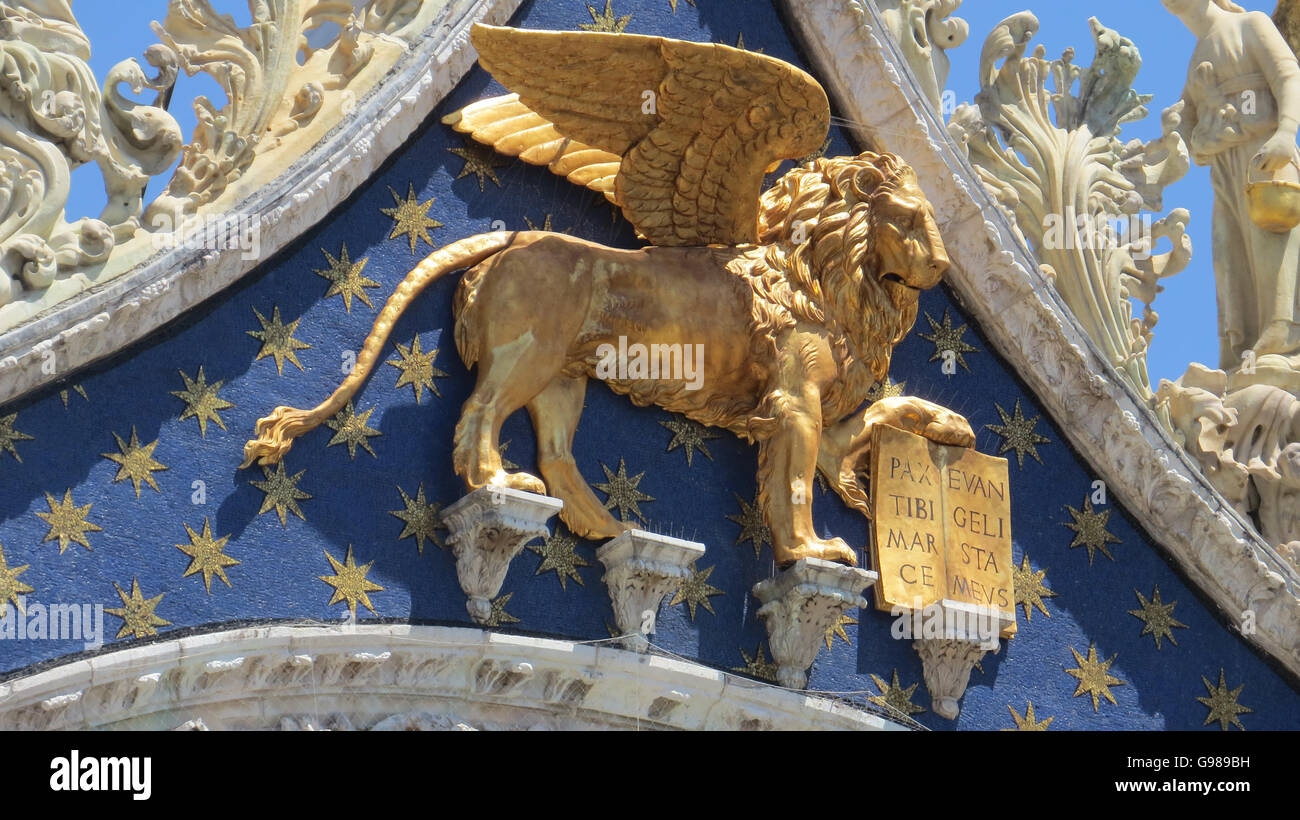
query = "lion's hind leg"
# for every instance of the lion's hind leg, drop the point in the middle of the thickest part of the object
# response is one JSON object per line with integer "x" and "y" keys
{"x": 508, "y": 378}
{"x": 555, "y": 413}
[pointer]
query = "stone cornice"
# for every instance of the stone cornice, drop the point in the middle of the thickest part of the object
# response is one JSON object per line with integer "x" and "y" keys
{"x": 102, "y": 320}
{"x": 996, "y": 278}
{"x": 398, "y": 676}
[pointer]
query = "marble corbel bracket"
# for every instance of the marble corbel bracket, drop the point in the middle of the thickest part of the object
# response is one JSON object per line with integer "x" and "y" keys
{"x": 800, "y": 604}
{"x": 640, "y": 569}
{"x": 488, "y": 528}
{"x": 950, "y": 652}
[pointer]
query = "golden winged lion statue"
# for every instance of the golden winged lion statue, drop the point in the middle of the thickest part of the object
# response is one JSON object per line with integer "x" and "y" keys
{"x": 797, "y": 295}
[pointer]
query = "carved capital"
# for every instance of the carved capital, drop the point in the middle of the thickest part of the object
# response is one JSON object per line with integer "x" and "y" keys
{"x": 800, "y": 604}
{"x": 946, "y": 664}
{"x": 489, "y": 527}
{"x": 640, "y": 569}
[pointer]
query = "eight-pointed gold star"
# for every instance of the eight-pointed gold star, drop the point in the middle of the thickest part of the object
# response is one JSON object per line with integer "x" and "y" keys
{"x": 690, "y": 436}
{"x": 1030, "y": 722}
{"x": 422, "y": 519}
{"x": 559, "y": 553}
{"x": 837, "y": 629}
{"x": 1157, "y": 617}
{"x": 80, "y": 391}
{"x": 896, "y": 697}
{"x": 1094, "y": 676}
{"x": 350, "y": 428}
{"x": 499, "y": 616}
{"x": 1030, "y": 588}
{"x": 350, "y": 582}
{"x": 8, "y": 435}
{"x": 622, "y": 491}
{"x": 206, "y": 555}
{"x": 695, "y": 590}
{"x": 67, "y": 522}
{"x": 948, "y": 338}
{"x": 282, "y": 493}
{"x": 278, "y": 341}
{"x": 137, "y": 612}
{"x": 481, "y": 161}
{"x": 346, "y": 279}
{"x": 1018, "y": 434}
{"x": 605, "y": 21}
{"x": 752, "y": 527}
{"x": 411, "y": 217}
{"x": 1090, "y": 530}
{"x": 1222, "y": 703}
{"x": 417, "y": 369}
{"x": 136, "y": 462}
{"x": 757, "y": 666}
{"x": 10, "y": 587}
{"x": 202, "y": 401}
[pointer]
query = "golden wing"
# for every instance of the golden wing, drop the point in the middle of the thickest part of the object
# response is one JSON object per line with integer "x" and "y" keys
{"x": 678, "y": 134}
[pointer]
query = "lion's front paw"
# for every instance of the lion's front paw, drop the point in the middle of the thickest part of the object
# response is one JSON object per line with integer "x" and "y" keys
{"x": 832, "y": 549}
{"x": 951, "y": 429}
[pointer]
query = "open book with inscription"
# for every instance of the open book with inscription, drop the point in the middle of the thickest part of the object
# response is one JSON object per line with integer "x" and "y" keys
{"x": 942, "y": 530}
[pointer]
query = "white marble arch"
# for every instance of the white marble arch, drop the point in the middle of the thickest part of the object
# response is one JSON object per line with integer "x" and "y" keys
{"x": 101, "y": 320}
{"x": 995, "y": 277}
{"x": 398, "y": 676}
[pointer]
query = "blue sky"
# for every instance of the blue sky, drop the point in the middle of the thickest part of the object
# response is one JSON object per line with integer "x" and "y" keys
{"x": 1186, "y": 331}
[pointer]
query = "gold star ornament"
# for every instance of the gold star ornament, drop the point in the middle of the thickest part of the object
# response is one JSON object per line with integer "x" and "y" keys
{"x": 67, "y": 522}
{"x": 1157, "y": 617}
{"x": 498, "y": 615}
{"x": 282, "y": 493}
{"x": 351, "y": 428}
{"x": 1018, "y": 434}
{"x": 350, "y": 582}
{"x": 346, "y": 279}
{"x": 9, "y": 435}
{"x": 606, "y": 21}
{"x": 206, "y": 555}
{"x": 10, "y": 587}
{"x": 1090, "y": 530}
{"x": 481, "y": 161}
{"x": 1030, "y": 588}
{"x": 135, "y": 462}
{"x": 137, "y": 612}
{"x": 836, "y": 630}
{"x": 1030, "y": 722}
{"x": 622, "y": 491}
{"x": 948, "y": 339}
{"x": 757, "y": 666}
{"x": 895, "y": 697}
{"x": 278, "y": 341}
{"x": 202, "y": 401}
{"x": 559, "y": 555}
{"x": 752, "y": 527}
{"x": 422, "y": 519}
{"x": 411, "y": 217}
{"x": 695, "y": 590}
{"x": 1222, "y": 703}
{"x": 1094, "y": 676}
{"x": 417, "y": 369}
{"x": 690, "y": 436}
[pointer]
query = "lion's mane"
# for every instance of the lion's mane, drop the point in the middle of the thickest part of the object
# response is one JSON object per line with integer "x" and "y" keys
{"x": 817, "y": 262}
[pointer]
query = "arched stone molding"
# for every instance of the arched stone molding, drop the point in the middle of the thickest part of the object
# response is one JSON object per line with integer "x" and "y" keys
{"x": 397, "y": 676}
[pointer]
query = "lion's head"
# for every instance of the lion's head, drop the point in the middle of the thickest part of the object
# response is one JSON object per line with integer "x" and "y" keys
{"x": 859, "y": 238}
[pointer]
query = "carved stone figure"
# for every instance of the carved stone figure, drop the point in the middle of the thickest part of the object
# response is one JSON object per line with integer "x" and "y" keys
{"x": 924, "y": 31}
{"x": 1240, "y": 116}
{"x": 797, "y": 297}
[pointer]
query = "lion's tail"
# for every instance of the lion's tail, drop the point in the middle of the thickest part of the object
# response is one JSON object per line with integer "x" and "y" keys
{"x": 276, "y": 432}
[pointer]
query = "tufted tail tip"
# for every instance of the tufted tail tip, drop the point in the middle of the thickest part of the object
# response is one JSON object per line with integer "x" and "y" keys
{"x": 275, "y": 435}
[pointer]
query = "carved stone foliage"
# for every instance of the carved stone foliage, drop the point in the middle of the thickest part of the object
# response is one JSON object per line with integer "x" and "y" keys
{"x": 800, "y": 604}
{"x": 924, "y": 31}
{"x": 946, "y": 664}
{"x": 1053, "y": 159}
{"x": 640, "y": 569}
{"x": 54, "y": 118}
